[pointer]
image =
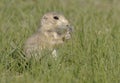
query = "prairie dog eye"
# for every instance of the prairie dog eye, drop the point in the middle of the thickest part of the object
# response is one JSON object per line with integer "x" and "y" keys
{"x": 56, "y": 17}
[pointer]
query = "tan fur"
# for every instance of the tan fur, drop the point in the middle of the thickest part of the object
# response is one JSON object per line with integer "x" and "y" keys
{"x": 54, "y": 30}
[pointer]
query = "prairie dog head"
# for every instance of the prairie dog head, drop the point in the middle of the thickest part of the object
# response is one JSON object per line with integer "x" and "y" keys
{"x": 56, "y": 23}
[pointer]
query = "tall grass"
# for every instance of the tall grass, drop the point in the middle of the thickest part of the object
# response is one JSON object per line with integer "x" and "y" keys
{"x": 91, "y": 56}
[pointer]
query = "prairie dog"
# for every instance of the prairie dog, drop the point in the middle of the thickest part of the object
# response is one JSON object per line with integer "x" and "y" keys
{"x": 54, "y": 30}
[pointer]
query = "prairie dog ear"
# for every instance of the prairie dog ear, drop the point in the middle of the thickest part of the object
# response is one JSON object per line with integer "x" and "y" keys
{"x": 43, "y": 20}
{"x": 45, "y": 17}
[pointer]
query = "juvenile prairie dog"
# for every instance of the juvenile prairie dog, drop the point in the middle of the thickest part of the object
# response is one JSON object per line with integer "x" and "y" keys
{"x": 54, "y": 30}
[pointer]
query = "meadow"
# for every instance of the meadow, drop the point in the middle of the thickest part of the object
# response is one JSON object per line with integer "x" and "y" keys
{"x": 91, "y": 56}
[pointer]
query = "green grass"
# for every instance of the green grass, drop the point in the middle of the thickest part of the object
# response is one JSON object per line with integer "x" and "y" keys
{"x": 91, "y": 56}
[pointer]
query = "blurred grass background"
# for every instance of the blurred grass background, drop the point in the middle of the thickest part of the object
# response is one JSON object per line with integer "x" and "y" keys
{"x": 91, "y": 56}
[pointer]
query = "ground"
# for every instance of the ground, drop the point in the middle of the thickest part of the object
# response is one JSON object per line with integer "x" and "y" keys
{"x": 91, "y": 56}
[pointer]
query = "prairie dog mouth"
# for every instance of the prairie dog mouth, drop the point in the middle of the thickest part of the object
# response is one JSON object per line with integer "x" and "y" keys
{"x": 61, "y": 31}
